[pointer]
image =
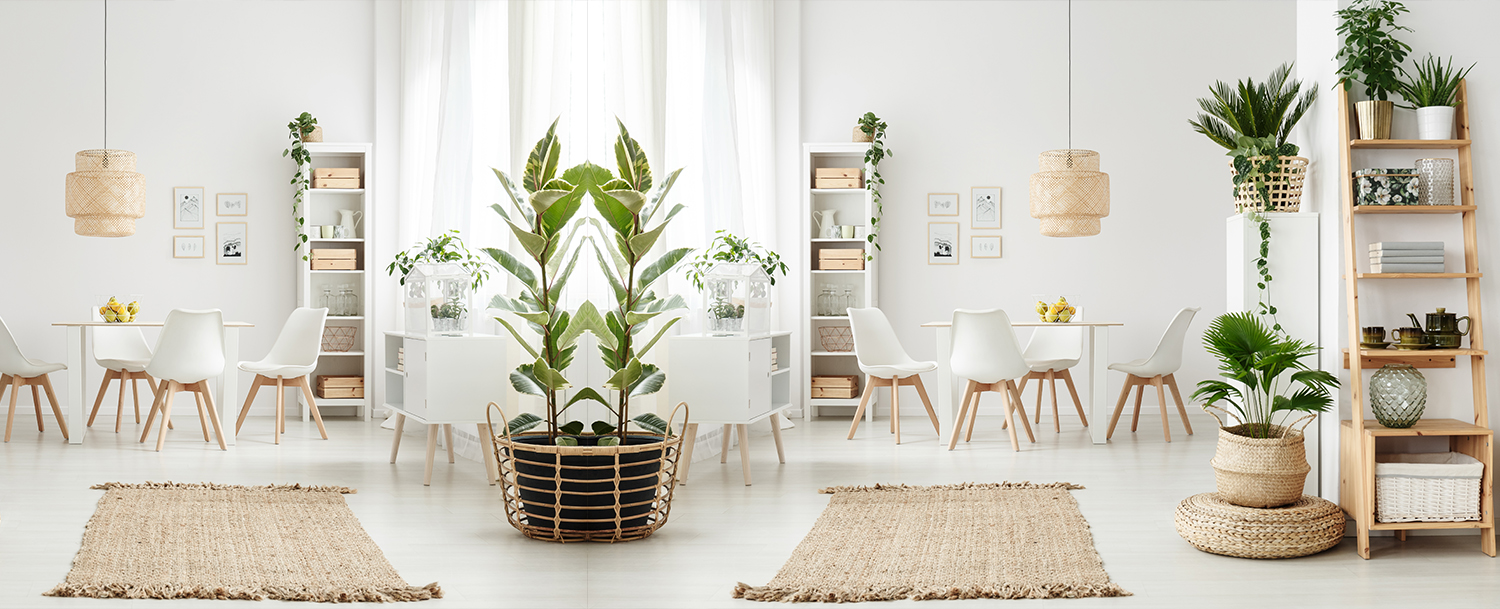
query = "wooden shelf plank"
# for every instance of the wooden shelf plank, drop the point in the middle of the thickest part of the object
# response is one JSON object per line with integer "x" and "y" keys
{"x": 1391, "y": 352}
{"x": 1409, "y": 144}
{"x": 1418, "y": 275}
{"x": 1415, "y": 359}
{"x": 1424, "y": 427}
{"x": 1413, "y": 209}
{"x": 1410, "y": 526}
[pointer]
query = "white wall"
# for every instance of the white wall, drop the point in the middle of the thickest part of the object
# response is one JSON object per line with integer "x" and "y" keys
{"x": 201, "y": 92}
{"x": 974, "y": 91}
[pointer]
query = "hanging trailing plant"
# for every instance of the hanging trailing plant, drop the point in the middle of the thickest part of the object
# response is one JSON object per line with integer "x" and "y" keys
{"x": 1263, "y": 269}
{"x": 296, "y": 130}
{"x": 872, "y": 126}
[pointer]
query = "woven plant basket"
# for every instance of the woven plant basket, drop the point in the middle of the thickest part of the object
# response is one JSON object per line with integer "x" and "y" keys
{"x": 1307, "y": 526}
{"x": 315, "y": 136}
{"x": 1285, "y": 186}
{"x": 1069, "y": 194}
{"x": 1261, "y": 472}
{"x": 861, "y": 136}
{"x": 105, "y": 195}
{"x": 587, "y": 493}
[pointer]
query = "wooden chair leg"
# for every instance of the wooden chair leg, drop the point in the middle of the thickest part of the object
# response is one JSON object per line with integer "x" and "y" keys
{"x": 1011, "y": 404}
{"x": 896, "y": 409}
{"x": 202, "y": 416}
{"x": 927, "y": 402}
{"x": 312, "y": 405}
{"x": 1171, "y": 381}
{"x": 120, "y": 407}
{"x": 1135, "y": 417}
{"x": 171, "y": 387}
{"x": 1119, "y": 409}
{"x": 1011, "y": 387}
{"x": 963, "y": 410}
{"x": 159, "y": 395}
{"x": 1052, "y": 387}
{"x": 396, "y": 441}
{"x": 213, "y": 414}
{"x": 1024, "y": 380}
{"x": 109, "y": 375}
{"x": 10, "y": 419}
{"x": 135, "y": 395}
{"x": 56, "y": 406}
{"x": 864, "y": 401}
{"x": 280, "y": 408}
{"x": 1161, "y": 398}
{"x": 36, "y": 403}
{"x": 1039, "y": 388}
{"x": 1067, "y": 378}
{"x": 249, "y": 399}
{"x": 974, "y": 414}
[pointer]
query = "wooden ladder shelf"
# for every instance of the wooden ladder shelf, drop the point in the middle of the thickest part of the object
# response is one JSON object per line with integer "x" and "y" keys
{"x": 1358, "y": 436}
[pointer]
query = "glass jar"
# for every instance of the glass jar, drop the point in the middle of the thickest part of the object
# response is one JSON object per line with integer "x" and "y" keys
{"x": 1398, "y": 395}
{"x": 825, "y": 306}
{"x": 328, "y": 300}
{"x": 351, "y": 301}
{"x": 846, "y": 301}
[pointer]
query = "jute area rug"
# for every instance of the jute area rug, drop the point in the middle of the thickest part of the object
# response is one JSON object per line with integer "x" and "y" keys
{"x": 212, "y": 541}
{"x": 964, "y": 541}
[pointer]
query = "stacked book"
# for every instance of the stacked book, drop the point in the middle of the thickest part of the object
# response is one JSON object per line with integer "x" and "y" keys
{"x": 1406, "y": 257}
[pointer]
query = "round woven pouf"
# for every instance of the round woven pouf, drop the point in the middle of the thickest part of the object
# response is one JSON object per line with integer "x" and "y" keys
{"x": 1214, "y": 525}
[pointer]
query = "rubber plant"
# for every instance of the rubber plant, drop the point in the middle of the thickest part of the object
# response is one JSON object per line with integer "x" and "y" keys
{"x": 299, "y": 127}
{"x": 872, "y": 126}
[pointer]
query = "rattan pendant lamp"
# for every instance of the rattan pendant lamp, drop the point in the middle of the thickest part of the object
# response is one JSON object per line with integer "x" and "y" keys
{"x": 105, "y": 194}
{"x": 1069, "y": 194}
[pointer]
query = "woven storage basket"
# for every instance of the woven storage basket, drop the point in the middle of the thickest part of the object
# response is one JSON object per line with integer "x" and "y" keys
{"x": 1427, "y": 487}
{"x": 316, "y": 135}
{"x": 1285, "y": 186}
{"x": 861, "y": 136}
{"x": 1068, "y": 193}
{"x": 338, "y": 339}
{"x": 1213, "y": 525}
{"x": 1261, "y": 472}
{"x": 836, "y": 338}
{"x": 598, "y": 493}
{"x": 105, "y": 195}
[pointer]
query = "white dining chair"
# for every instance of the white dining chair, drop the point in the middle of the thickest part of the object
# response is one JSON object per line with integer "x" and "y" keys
{"x": 886, "y": 364}
{"x": 1050, "y": 353}
{"x": 17, "y": 371}
{"x": 1156, "y": 371}
{"x": 189, "y": 351}
{"x": 289, "y": 364}
{"x": 986, "y": 352}
{"x": 123, "y": 353}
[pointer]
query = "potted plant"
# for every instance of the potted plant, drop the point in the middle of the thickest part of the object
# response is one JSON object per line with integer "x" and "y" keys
{"x": 729, "y": 249}
{"x": 302, "y": 129}
{"x": 871, "y": 129}
{"x": 1261, "y": 461}
{"x": 1434, "y": 93}
{"x": 1372, "y": 55}
{"x": 1252, "y": 121}
{"x": 447, "y": 247}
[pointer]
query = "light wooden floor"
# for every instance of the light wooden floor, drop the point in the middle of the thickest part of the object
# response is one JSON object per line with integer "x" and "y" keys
{"x": 721, "y": 531}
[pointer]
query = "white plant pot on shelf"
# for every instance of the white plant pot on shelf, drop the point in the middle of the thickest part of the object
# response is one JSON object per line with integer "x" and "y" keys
{"x": 1435, "y": 123}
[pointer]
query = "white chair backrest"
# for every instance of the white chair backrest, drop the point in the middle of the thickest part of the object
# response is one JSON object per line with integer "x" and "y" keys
{"x": 191, "y": 347}
{"x": 1168, "y": 355}
{"x": 985, "y": 348}
{"x": 1054, "y": 343}
{"x": 120, "y": 344}
{"x": 11, "y": 358}
{"x": 875, "y": 342}
{"x": 301, "y": 338}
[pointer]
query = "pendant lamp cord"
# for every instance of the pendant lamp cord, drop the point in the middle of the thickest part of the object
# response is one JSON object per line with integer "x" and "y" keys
{"x": 106, "y": 74}
{"x": 1070, "y": 73}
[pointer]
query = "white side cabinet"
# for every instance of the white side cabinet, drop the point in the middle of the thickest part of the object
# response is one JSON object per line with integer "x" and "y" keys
{"x": 731, "y": 381}
{"x": 444, "y": 380}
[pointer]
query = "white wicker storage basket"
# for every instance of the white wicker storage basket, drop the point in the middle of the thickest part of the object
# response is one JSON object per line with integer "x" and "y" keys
{"x": 1427, "y": 487}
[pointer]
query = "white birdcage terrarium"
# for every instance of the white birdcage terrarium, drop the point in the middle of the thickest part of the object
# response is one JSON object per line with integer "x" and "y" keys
{"x": 736, "y": 300}
{"x": 437, "y": 299}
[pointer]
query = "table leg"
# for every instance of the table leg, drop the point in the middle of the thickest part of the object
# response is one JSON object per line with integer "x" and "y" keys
{"x": 487, "y": 446}
{"x": 945, "y": 390}
{"x": 229, "y": 382}
{"x": 1098, "y": 381}
{"x": 77, "y": 381}
{"x": 684, "y": 463}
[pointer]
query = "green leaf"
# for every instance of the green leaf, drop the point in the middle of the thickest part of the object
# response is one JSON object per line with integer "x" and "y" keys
{"x": 634, "y": 318}
{"x": 537, "y": 317}
{"x": 514, "y": 266}
{"x": 587, "y": 175}
{"x": 525, "y": 381}
{"x": 500, "y": 209}
{"x": 662, "y": 265}
{"x": 659, "y": 333}
{"x": 516, "y": 197}
{"x": 613, "y": 211}
{"x": 541, "y": 165}
{"x": 651, "y": 422}
{"x": 587, "y": 318}
{"x": 608, "y": 441}
{"x": 521, "y": 341}
{"x": 548, "y": 377}
{"x": 587, "y": 393}
{"x": 569, "y": 336}
{"x": 601, "y": 428}
{"x": 631, "y": 160}
{"x": 523, "y": 422}
{"x": 543, "y": 199}
{"x": 625, "y": 377}
{"x": 641, "y": 244}
{"x": 533, "y": 243}
{"x": 632, "y": 200}
{"x": 650, "y": 382}
{"x": 568, "y": 440}
{"x": 559, "y": 214}
{"x": 661, "y": 195}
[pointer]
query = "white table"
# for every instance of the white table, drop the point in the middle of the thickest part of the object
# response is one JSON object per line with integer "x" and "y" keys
{"x": 81, "y": 332}
{"x": 1096, "y": 357}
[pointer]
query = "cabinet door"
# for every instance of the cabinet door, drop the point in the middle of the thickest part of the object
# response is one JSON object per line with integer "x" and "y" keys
{"x": 415, "y": 393}
{"x": 760, "y": 376}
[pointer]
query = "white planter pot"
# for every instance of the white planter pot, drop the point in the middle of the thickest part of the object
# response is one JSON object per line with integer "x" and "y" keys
{"x": 1435, "y": 123}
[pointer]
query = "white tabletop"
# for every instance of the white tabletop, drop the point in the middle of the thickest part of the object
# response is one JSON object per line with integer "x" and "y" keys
{"x": 1027, "y": 324}
{"x": 143, "y": 324}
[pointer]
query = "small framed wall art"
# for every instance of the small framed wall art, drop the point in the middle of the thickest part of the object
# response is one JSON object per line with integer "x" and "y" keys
{"x": 942, "y": 204}
{"x": 984, "y": 207}
{"x": 187, "y": 207}
{"x": 187, "y": 246}
{"x": 233, "y": 203}
{"x": 986, "y": 246}
{"x": 942, "y": 242}
{"x": 232, "y": 243}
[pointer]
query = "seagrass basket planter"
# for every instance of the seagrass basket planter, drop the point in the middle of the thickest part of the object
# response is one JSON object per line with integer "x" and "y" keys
{"x": 1285, "y": 187}
{"x": 587, "y": 492}
{"x": 1261, "y": 472}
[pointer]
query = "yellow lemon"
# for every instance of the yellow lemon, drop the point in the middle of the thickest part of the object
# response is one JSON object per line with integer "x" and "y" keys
{"x": 110, "y": 317}
{"x": 134, "y": 307}
{"x": 103, "y": 310}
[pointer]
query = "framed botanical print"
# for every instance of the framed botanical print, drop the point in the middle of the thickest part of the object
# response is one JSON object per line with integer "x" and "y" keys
{"x": 233, "y": 203}
{"x": 984, "y": 246}
{"x": 187, "y": 246}
{"x": 942, "y": 204}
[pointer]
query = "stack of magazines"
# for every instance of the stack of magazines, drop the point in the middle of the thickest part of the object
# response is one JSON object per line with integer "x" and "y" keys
{"x": 1406, "y": 257}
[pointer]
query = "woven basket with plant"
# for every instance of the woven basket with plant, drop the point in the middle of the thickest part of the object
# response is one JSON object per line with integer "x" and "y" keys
{"x": 1252, "y": 121}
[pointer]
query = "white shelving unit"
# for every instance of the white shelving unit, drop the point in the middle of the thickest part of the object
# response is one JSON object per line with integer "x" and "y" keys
{"x": 854, "y": 206}
{"x": 321, "y": 206}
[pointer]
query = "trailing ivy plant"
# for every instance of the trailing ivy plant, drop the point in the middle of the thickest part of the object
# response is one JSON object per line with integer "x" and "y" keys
{"x": 447, "y": 247}
{"x": 1371, "y": 53}
{"x": 727, "y": 248}
{"x": 299, "y": 127}
{"x": 872, "y": 126}
{"x": 1256, "y": 160}
{"x": 1263, "y": 270}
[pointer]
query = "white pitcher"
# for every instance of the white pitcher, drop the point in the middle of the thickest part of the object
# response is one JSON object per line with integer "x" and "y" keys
{"x": 826, "y": 223}
{"x": 348, "y": 220}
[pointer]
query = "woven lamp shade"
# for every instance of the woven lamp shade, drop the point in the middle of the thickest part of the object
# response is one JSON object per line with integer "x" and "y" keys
{"x": 1069, "y": 195}
{"x": 105, "y": 194}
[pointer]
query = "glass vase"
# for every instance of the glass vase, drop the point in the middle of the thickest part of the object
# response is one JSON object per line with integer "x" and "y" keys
{"x": 1398, "y": 395}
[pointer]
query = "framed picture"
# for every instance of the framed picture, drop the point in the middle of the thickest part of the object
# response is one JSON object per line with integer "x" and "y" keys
{"x": 942, "y": 204}
{"x": 187, "y": 246}
{"x": 942, "y": 241}
{"x": 987, "y": 246}
{"x": 187, "y": 207}
{"x": 233, "y": 203}
{"x": 232, "y": 243}
{"x": 984, "y": 207}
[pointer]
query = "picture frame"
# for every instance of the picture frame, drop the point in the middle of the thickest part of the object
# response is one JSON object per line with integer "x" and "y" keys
{"x": 187, "y": 246}
{"x": 187, "y": 207}
{"x": 984, "y": 207}
{"x": 984, "y": 246}
{"x": 942, "y": 204}
{"x": 232, "y": 203}
{"x": 232, "y": 240}
{"x": 942, "y": 243}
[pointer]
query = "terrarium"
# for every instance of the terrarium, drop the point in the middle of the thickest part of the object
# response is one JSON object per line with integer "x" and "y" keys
{"x": 736, "y": 300}
{"x": 437, "y": 299}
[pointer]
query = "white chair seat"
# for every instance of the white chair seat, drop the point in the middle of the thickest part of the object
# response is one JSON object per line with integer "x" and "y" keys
{"x": 1043, "y": 365}
{"x": 127, "y": 365}
{"x": 1138, "y": 367}
{"x": 273, "y": 370}
{"x": 899, "y": 370}
{"x": 29, "y": 368}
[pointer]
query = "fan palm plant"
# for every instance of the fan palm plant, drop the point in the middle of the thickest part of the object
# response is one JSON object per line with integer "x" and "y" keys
{"x": 1257, "y": 110}
{"x": 1255, "y": 358}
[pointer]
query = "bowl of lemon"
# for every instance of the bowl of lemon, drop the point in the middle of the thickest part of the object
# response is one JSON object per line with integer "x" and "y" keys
{"x": 1057, "y": 312}
{"x": 117, "y": 312}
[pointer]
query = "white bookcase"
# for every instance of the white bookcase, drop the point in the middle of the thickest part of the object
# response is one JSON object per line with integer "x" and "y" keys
{"x": 853, "y": 206}
{"x": 320, "y": 206}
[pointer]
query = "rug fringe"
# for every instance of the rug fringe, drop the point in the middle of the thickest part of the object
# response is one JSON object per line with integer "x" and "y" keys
{"x": 851, "y": 595}
{"x": 360, "y": 595}
{"x": 213, "y": 486}
{"x": 963, "y": 486}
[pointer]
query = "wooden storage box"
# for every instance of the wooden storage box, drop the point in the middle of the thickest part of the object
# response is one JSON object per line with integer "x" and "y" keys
{"x": 838, "y": 172}
{"x": 321, "y": 264}
{"x": 838, "y": 183}
{"x": 842, "y": 253}
{"x": 335, "y": 183}
{"x": 334, "y": 254}
{"x": 835, "y": 264}
{"x": 336, "y": 172}
{"x": 842, "y": 387}
{"x": 341, "y": 386}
